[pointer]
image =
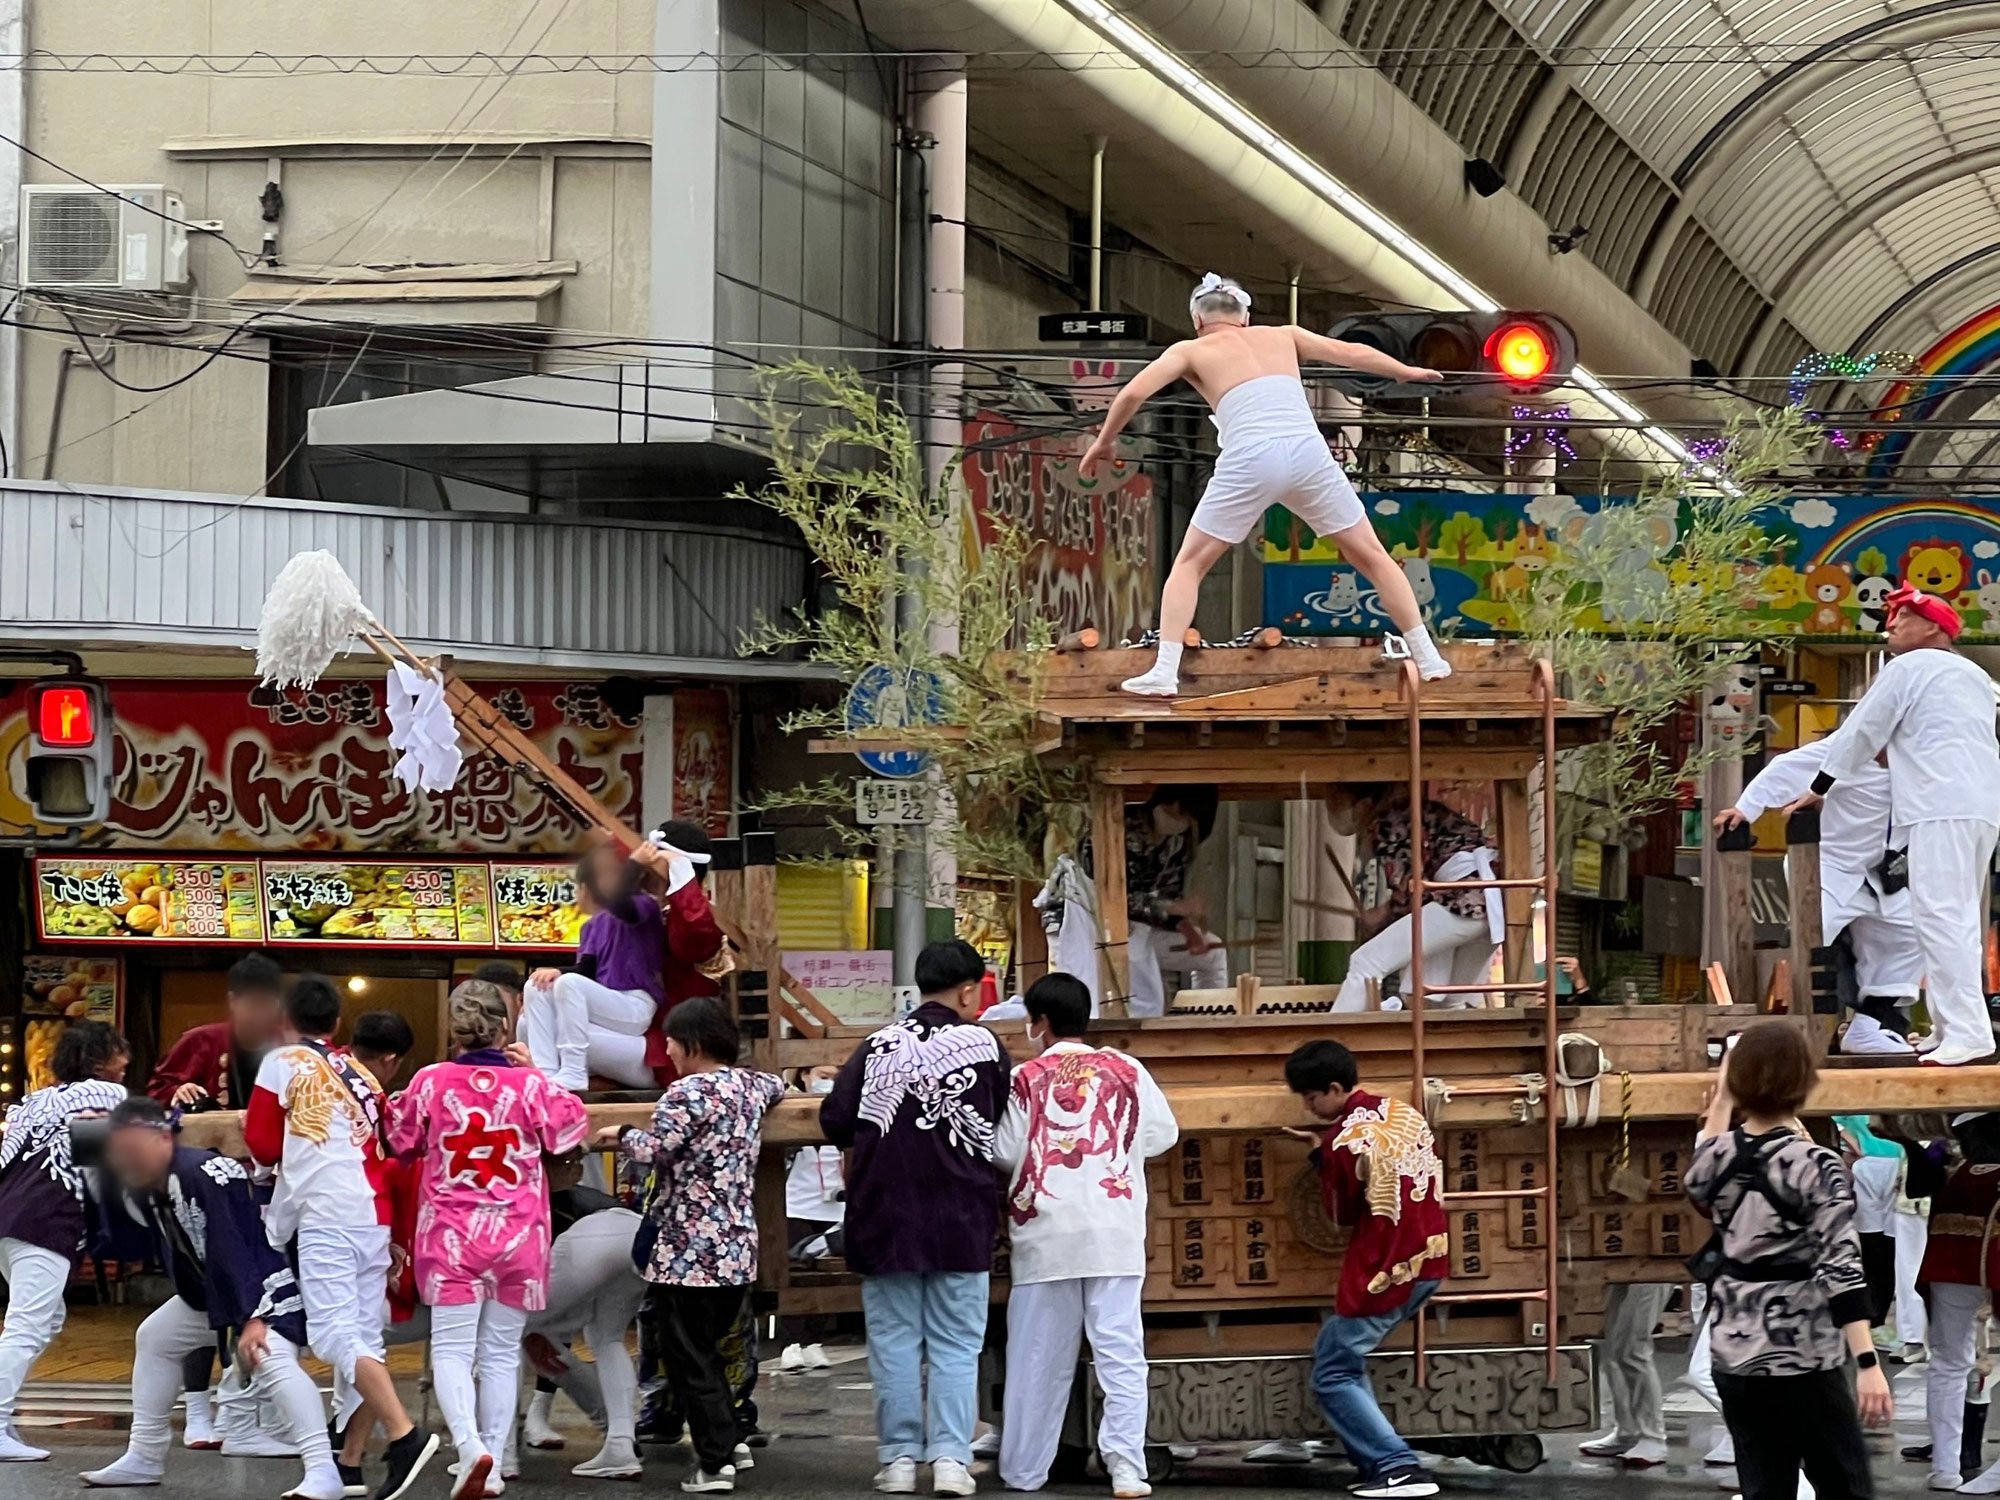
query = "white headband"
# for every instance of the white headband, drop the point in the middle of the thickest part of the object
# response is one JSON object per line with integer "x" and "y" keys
{"x": 1214, "y": 283}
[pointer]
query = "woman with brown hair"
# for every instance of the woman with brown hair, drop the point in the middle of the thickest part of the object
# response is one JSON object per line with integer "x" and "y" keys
{"x": 1788, "y": 1323}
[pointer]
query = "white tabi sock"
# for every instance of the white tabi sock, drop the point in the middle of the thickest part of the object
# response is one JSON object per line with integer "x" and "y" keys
{"x": 1165, "y": 674}
{"x": 1424, "y": 652}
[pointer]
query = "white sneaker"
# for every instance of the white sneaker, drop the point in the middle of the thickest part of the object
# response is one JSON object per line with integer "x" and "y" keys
{"x": 1128, "y": 1480}
{"x": 1611, "y": 1445}
{"x": 1928, "y": 1042}
{"x": 794, "y": 1357}
{"x": 1722, "y": 1450}
{"x": 1284, "y": 1451}
{"x": 897, "y": 1477}
{"x": 617, "y": 1459}
{"x": 536, "y": 1429}
{"x": 14, "y": 1451}
{"x": 1153, "y": 684}
{"x": 1726, "y": 1479}
{"x": 1956, "y": 1055}
{"x": 950, "y": 1477}
{"x": 701, "y": 1482}
{"x": 816, "y": 1357}
{"x": 1868, "y": 1037}
{"x": 1914, "y": 1354}
{"x": 1985, "y": 1483}
{"x": 127, "y": 1473}
{"x": 1945, "y": 1481}
{"x": 1647, "y": 1453}
{"x": 743, "y": 1458}
{"x": 987, "y": 1445}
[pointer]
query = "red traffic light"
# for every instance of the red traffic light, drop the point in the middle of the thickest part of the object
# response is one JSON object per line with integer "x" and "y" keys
{"x": 1521, "y": 351}
{"x": 66, "y": 716}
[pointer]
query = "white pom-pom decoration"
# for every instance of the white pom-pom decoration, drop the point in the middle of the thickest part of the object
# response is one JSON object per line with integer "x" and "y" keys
{"x": 311, "y": 615}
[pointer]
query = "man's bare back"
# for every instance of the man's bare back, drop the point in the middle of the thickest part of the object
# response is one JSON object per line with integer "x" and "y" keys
{"x": 1222, "y": 358}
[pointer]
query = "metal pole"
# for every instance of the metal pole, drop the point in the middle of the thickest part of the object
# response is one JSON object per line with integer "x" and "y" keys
{"x": 1292, "y": 305}
{"x": 1097, "y": 145}
{"x": 912, "y": 888}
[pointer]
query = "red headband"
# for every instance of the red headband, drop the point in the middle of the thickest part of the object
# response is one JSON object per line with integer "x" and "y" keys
{"x": 1930, "y": 606}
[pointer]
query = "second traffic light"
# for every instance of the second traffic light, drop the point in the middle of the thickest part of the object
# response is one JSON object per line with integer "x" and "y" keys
{"x": 1518, "y": 352}
{"x": 70, "y": 750}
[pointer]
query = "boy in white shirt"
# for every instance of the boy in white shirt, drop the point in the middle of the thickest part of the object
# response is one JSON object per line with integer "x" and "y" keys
{"x": 1080, "y": 1123}
{"x": 318, "y": 1118}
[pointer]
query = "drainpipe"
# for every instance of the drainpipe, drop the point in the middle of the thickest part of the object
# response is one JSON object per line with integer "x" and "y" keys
{"x": 13, "y": 124}
{"x": 1097, "y": 145}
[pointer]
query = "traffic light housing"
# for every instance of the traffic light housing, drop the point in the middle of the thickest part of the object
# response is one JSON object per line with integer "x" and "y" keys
{"x": 1520, "y": 353}
{"x": 70, "y": 751}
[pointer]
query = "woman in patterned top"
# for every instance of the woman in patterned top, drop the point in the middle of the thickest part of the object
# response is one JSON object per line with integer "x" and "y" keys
{"x": 1461, "y": 928}
{"x": 1788, "y": 1314}
{"x": 703, "y": 1147}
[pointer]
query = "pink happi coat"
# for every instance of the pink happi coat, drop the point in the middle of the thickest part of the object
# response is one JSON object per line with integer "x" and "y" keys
{"x": 480, "y": 1128}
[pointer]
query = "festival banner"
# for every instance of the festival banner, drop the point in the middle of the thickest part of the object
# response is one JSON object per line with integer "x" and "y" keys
{"x": 534, "y": 905}
{"x": 704, "y": 758}
{"x": 1831, "y": 564}
{"x": 423, "y": 906}
{"x": 227, "y": 766}
{"x": 1093, "y": 558}
{"x": 92, "y": 899}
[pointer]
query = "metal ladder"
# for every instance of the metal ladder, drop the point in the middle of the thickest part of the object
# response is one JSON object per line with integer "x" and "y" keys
{"x": 1420, "y": 890}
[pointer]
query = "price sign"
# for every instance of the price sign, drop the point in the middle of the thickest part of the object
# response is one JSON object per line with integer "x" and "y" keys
{"x": 877, "y": 801}
{"x": 445, "y": 905}
{"x": 158, "y": 901}
{"x": 534, "y": 905}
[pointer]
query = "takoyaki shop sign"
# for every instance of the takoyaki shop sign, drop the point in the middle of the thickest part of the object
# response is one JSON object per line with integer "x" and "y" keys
{"x": 230, "y": 766}
{"x": 321, "y": 903}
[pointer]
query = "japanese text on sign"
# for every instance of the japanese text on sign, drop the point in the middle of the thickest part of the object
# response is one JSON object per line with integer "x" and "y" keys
{"x": 91, "y": 899}
{"x": 879, "y": 800}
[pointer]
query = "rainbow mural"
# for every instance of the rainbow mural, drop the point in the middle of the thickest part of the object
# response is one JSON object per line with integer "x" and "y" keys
{"x": 1969, "y": 349}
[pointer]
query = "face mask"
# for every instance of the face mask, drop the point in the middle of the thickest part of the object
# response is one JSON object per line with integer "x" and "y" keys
{"x": 1034, "y": 1041}
{"x": 820, "y": 1086}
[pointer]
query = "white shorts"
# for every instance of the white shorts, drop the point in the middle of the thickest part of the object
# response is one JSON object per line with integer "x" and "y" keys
{"x": 1297, "y": 472}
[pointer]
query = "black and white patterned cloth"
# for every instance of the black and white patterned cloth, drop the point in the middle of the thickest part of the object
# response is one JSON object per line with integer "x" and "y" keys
{"x": 1804, "y": 1216}
{"x": 41, "y": 1188}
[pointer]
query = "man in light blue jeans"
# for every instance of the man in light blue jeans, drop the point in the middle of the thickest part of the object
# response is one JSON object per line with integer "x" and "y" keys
{"x": 939, "y": 1318}
{"x": 918, "y": 1104}
{"x": 1347, "y": 1396}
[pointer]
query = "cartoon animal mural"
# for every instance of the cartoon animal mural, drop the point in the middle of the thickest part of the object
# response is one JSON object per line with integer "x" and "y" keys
{"x": 1935, "y": 566}
{"x": 1871, "y": 598}
{"x": 1731, "y": 703}
{"x": 1827, "y": 587}
{"x": 1827, "y": 572}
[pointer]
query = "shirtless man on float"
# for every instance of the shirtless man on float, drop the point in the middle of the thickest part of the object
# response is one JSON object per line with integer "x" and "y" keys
{"x": 1273, "y": 453}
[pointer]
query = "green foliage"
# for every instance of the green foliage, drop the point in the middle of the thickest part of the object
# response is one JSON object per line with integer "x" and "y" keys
{"x": 849, "y": 473}
{"x": 1646, "y": 601}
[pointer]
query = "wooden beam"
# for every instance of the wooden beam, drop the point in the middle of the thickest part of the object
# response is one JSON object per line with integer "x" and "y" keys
{"x": 1737, "y": 952}
{"x": 1517, "y": 860}
{"x": 1803, "y": 884}
{"x": 1107, "y": 843}
{"x": 1227, "y": 765}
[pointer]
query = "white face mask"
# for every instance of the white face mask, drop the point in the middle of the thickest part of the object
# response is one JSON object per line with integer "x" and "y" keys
{"x": 1038, "y": 1043}
{"x": 820, "y": 1086}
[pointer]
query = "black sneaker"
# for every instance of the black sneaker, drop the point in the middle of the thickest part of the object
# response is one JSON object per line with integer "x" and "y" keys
{"x": 353, "y": 1483}
{"x": 1916, "y": 1453}
{"x": 1402, "y": 1482}
{"x": 406, "y": 1457}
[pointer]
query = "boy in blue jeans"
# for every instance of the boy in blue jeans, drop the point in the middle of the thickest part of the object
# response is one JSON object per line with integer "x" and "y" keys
{"x": 1379, "y": 1174}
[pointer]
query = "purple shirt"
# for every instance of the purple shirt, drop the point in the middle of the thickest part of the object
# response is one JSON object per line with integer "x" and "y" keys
{"x": 628, "y": 955}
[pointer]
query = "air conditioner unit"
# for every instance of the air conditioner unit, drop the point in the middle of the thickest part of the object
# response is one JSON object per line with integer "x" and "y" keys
{"x": 112, "y": 239}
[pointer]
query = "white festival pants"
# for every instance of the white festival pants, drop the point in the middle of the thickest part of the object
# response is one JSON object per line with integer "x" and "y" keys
{"x": 1887, "y": 959}
{"x": 1631, "y": 1311}
{"x": 485, "y": 1336}
{"x": 594, "y": 1291}
{"x": 1457, "y": 950}
{"x": 173, "y": 1331}
{"x": 1949, "y": 863}
{"x": 1913, "y": 1237}
{"x": 344, "y": 1278}
{"x": 1954, "y": 1325}
{"x": 1045, "y": 1319}
{"x": 35, "y": 1280}
{"x": 1152, "y": 950}
{"x": 577, "y": 1027}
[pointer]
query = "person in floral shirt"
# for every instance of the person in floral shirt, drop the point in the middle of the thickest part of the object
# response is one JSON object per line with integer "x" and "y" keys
{"x": 1461, "y": 928}
{"x": 702, "y": 1145}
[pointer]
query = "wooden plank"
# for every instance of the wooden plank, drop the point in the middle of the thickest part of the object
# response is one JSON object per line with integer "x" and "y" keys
{"x": 1803, "y": 885}
{"x": 1517, "y": 860}
{"x": 1233, "y": 766}
{"x": 1107, "y": 843}
{"x": 1737, "y": 949}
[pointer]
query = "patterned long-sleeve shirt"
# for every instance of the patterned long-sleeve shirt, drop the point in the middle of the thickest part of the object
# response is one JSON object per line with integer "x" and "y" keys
{"x": 1156, "y": 869}
{"x": 702, "y": 1146}
{"x": 1445, "y": 833}
{"x": 1805, "y": 1216}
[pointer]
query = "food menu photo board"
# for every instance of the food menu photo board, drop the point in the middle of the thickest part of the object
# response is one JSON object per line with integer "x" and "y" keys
{"x": 534, "y": 905}
{"x": 416, "y": 905}
{"x": 77, "y": 988}
{"x": 92, "y": 899}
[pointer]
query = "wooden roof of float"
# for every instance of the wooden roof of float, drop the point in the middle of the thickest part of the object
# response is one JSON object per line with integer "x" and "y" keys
{"x": 1300, "y": 713}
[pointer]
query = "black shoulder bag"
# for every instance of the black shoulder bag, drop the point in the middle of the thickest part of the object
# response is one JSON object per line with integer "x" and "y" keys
{"x": 1711, "y": 1261}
